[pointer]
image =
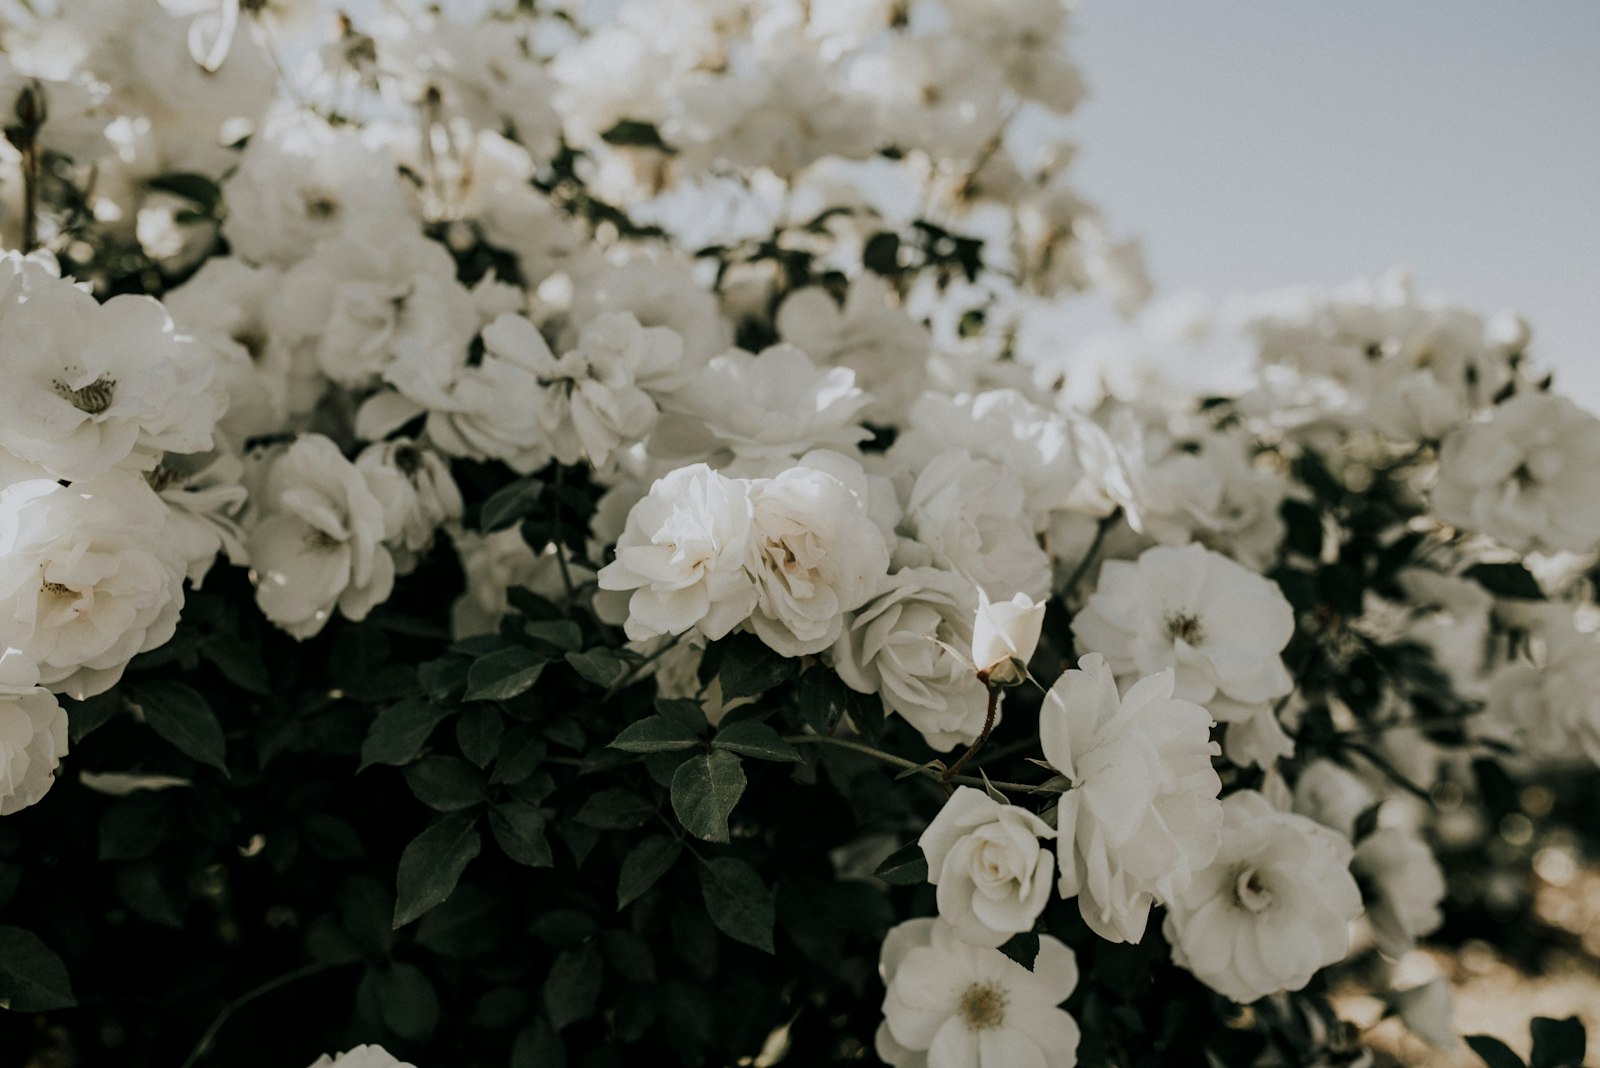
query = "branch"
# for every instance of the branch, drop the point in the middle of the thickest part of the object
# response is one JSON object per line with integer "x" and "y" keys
{"x": 911, "y": 765}
{"x": 202, "y": 1047}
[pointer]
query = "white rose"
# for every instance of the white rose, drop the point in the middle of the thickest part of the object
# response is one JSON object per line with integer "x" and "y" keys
{"x": 885, "y": 347}
{"x": 1142, "y": 814}
{"x": 1219, "y": 626}
{"x": 683, "y": 556}
{"x": 1274, "y": 906}
{"x": 87, "y": 578}
{"x": 954, "y": 1005}
{"x": 656, "y": 293}
{"x": 1257, "y": 739}
{"x": 33, "y": 739}
{"x": 300, "y": 182}
{"x": 815, "y": 552}
{"x": 1004, "y": 636}
{"x": 320, "y": 542}
{"x": 1552, "y": 709}
{"x": 985, "y": 858}
{"x": 204, "y": 496}
{"x": 85, "y": 386}
{"x": 494, "y": 410}
{"x": 361, "y": 1057}
{"x": 970, "y": 514}
{"x": 418, "y": 495}
{"x": 1403, "y": 885}
{"x": 770, "y": 406}
{"x": 899, "y": 645}
{"x": 1527, "y": 476}
{"x": 1332, "y": 795}
{"x": 365, "y": 300}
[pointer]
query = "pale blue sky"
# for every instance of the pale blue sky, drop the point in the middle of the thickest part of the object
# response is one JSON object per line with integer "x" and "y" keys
{"x": 1260, "y": 143}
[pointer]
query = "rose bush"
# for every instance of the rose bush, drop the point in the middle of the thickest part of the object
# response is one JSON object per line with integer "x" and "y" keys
{"x": 551, "y": 537}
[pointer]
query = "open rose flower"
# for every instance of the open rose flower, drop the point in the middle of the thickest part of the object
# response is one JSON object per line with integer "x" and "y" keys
{"x": 985, "y": 858}
{"x": 33, "y": 739}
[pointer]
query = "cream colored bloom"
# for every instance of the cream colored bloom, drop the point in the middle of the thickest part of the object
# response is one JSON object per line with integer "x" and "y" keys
{"x": 993, "y": 875}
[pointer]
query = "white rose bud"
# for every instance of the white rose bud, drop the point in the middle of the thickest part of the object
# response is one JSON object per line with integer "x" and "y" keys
{"x": 985, "y": 858}
{"x": 1004, "y": 636}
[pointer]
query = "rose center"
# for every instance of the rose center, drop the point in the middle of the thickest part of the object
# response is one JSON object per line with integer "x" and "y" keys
{"x": 92, "y": 399}
{"x": 983, "y": 1006}
{"x": 321, "y": 539}
{"x": 56, "y": 589}
{"x": 1250, "y": 892}
{"x": 320, "y": 204}
{"x": 1185, "y": 627}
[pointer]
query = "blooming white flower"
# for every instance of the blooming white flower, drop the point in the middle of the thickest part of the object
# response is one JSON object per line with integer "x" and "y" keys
{"x": 1527, "y": 476}
{"x": 683, "y": 554}
{"x": 1004, "y": 636}
{"x": 815, "y": 552}
{"x": 771, "y": 406}
{"x": 885, "y": 347}
{"x": 205, "y": 498}
{"x": 33, "y": 739}
{"x": 223, "y": 306}
{"x": 1142, "y": 814}
{"x": 87, "y": 386}
{"x": 320, "y": 542}
{"x": 88, "y": 578}
{"x": 1403, "y": 886}
{"x": 1552, "y": 706}
{"x": 993, "y": 876}
{"x": 954, "y": 1005}
{"x": 366, "y": 299}
{"x": 965, "y": 511}
{"x": 899, "y": 645}
{"x": 1274, "y": 906}
{"x": 361, "y": 1057}
{"x": 656, "y": 293}
{"x": 300, "y": 182}
{"x": 418, "y": 495}
{"x": 1219, "y": 626}
{"x": 498, "y": 562}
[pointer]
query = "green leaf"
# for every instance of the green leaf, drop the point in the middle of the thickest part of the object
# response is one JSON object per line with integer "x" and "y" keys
{"x": 91, "y": 713}
{"x": 1493, "y": 1052}
{"x": 824, "y": 699}
{"x": 407, "y": 1001}
{"x": 538, "y": 1046}
{"x": 519, "y": 757}
{"x": 738, "y": 902}
{"x": 182, "y": 717}
{"x": 503, "y": 675}
{"x": 704, "y": 790}
{"x": 478, "y": 733}
{"x": 1506, "y": 580}
{"x": 561, "y": 633}
{"x": 132, "y": 827}
{"x": 446, "y": 784}
{"x": 573, "y": 986}
{"x": 656, "y": 734}
{"x": 1558, "y": 1043}
{"x": 644, "y": 866}
{"x": 600, "y": 666}
{"x": 747, "y": 666}
{"x": 751, "y": 739}
{"x": 440, "y": 679}
{"x": 636, "y": 134}
{"x": 331, "y": 837}
{"x": 881, "y": 255}
{"x": 193, "y": 187}
{"x": 32, "y": 977}
{"x": 906, "y": 866}
{"x": 509, "y": 504}
{"x": 399, "y": 732}
{"x": 1022, "y": 948}
{"x": 432, "y": 863}
{"x": 519, "y": 828}
{"x": 240, "y": 662}
{"x": 616, "y": 809}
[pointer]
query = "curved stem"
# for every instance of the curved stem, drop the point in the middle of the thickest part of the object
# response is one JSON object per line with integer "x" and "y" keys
{"x": 912, "y": 765}
{"x": 1088, "y": 557}
{"x": 988, "y": 725}
{"x": 202, "y": 1047}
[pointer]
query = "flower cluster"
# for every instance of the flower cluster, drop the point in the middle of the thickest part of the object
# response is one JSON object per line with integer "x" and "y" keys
{"x": 600, "y": 349}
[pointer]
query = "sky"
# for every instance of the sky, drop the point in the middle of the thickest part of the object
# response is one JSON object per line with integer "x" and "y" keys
{"x": 1254, "y": 144}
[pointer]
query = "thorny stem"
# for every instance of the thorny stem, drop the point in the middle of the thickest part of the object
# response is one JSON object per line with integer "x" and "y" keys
{"x": 912, "y": 765}
{"x": 202, "y": 1047}
{"x": 988, "y": 725}
{"x": 638, "y": 669}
